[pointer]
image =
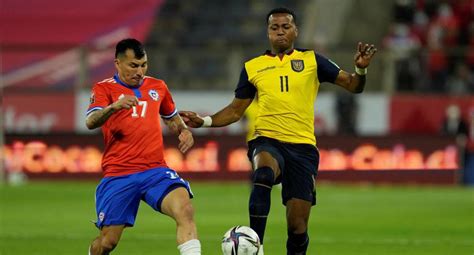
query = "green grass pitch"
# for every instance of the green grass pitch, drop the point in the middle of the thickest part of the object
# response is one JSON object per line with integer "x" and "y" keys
{"x": 54, "y": 218}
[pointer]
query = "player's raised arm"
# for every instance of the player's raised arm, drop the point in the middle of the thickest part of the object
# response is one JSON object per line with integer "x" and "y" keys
{"x": 177, "y": 126}
{"x": 228, "y": 115}
{"x": 97, "y": 118}
{"x": 355, "y": 82}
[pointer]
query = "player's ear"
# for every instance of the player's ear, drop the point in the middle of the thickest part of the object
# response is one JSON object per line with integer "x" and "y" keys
{"x": 116, "y": 62}
{"x": 296, "y": 31}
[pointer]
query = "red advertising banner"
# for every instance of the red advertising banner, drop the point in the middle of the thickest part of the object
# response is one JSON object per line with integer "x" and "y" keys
{"x": 225, "y": 157}
{"x": 417, "y": 114}
{"x": 38, "y": 113}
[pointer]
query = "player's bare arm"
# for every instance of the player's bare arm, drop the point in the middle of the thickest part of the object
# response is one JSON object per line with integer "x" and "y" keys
{"x": 98, "y": 118}
{"x": 228, "y": 115}
{"x": 177, "y": 126}
{"x": 355, "y": 82}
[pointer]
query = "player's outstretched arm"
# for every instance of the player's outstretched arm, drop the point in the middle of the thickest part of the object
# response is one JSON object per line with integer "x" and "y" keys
{"x": 177, "y": 126}
{"x": 355, "y": 82}
{"x": 228, "y": 115}
{"x": 97, "y": 118}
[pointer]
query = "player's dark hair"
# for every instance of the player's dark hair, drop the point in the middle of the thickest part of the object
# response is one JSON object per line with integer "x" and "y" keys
{"x": 130, "y": 43}
{"x": 282, "y": 10}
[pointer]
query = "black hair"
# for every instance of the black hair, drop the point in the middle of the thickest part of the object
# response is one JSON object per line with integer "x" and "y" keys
{"x": 282, "y": 10}
{"x": 130, "y": 43}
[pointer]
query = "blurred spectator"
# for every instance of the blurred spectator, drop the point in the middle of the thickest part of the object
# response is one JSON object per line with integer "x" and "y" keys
{"x": 448, "y": 23}
{"x": 346, "y": 109}
{"x": 403, "y": 47}
{"x": 403, "y": 11}
{"x": 453, "y": 124}
{"x": 462, "y": 81}
{"x": 436, "y": 61}
{"x": 470, "y": 48}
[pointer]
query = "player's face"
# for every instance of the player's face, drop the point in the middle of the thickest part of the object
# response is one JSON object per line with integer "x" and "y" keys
{"x": 282, "y": 31}
{"x": 130, "y": 69}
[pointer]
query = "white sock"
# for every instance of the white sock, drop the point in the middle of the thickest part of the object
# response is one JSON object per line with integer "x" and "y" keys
{"x": 191, "y": 247}
{"x": 90, "y": 250}
{"x": 260, "y": 251}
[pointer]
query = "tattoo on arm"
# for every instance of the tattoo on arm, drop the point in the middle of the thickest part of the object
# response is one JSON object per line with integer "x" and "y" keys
{"x": 98, "y": 118}
{"x": 176, "y": 124}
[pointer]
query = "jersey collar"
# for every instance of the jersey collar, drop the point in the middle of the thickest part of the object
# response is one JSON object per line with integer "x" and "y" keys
{"x": 117, "y": 79}
{"x": 269, "y": 53}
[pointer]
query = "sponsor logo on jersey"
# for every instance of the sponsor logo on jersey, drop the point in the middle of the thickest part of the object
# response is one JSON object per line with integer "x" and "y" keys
{"x": 153, "y": 94}
{"x": 297, "y": 65}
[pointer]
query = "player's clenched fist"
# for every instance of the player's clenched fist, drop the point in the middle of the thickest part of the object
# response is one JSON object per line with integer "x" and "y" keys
{"x": 191, "y": 119}
{"x": 125, "y": 102}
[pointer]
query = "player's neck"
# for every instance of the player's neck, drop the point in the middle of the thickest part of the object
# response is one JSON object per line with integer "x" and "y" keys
{"x": 281, "y": 53}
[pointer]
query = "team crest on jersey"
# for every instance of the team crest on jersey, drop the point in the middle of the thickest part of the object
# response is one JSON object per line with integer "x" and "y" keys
{"x": 153, "y": 94}
{"x": 297, "y": 65}
{"x": 92, "y": 98}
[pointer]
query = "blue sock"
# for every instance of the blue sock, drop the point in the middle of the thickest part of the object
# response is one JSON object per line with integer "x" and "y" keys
{"x": 260, "y": 199}
{"x": 297, "y": 244}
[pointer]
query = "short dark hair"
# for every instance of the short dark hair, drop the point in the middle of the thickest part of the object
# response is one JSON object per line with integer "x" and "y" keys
{"x": 130, "y": 43}
{"x": 282, "y": 10}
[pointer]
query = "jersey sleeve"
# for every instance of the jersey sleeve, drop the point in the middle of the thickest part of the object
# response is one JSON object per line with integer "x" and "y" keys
{"x": 245, "y": 89}
{"x": 99, "y": 99}
{"x": 327, "y": 69}
{"x": 168, "y": 108}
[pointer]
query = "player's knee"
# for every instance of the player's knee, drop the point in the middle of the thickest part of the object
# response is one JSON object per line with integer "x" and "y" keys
{"x": 108, "y": 243}
{"x": 263, "y": 176}
{"x": 297, "y": 225}
{"x": 184, "y": 213}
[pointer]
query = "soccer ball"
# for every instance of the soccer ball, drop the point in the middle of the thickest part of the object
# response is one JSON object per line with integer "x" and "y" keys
{"x": 240, "y": 240}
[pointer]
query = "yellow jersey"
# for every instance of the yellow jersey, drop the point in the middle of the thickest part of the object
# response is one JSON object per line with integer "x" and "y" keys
{"x": 286, "y": 89}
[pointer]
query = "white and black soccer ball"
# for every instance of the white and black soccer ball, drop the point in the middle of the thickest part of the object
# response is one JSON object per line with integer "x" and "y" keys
{"x": 240, "y": 240}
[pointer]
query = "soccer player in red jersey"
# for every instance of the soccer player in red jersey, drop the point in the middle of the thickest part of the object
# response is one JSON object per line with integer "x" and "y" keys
{"x": 127, "y": 107}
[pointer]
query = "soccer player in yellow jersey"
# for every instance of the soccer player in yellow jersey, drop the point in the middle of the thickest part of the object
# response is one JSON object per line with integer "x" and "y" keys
{"x": 283, "y": 149}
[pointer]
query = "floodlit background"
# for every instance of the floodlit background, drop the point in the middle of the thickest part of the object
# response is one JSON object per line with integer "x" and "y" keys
{"x": 397, "y": 162}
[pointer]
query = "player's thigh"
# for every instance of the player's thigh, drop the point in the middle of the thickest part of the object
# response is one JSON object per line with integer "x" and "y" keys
{"x": 300, "y": 173}
{"x": 265, "y": 159}
{"x": 264, "y": 152}
{"x": 177, "y": 204}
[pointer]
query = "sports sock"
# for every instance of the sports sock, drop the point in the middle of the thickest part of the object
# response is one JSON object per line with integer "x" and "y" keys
{"x": 260, "y": 199}
{"x": 297, "y": 244}
{"x": 191, "y": 247}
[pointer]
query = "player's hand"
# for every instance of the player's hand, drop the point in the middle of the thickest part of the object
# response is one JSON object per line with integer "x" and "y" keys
{"x": 191, "y": 119}
{"x": 125, "y": 102}
{"x": 364, "y": 54}
{"x": 186, "y": 140}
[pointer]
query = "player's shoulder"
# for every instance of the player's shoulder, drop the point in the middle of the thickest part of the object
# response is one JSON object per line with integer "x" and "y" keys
{"x": 105, "y": 83}
{"x": 149, "y": 80}
{"x": 305, "y": 52}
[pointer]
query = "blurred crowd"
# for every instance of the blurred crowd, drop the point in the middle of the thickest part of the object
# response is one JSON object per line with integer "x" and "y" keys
{"x": 431, "y": 44}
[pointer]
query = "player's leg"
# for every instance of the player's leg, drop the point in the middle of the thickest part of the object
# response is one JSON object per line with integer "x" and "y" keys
{"x": 266, "y": 169}
{"x": 297, "y": 215}
{"x": 299, "y": 193}
{"x": 107, "y": 240}
{"x": 117, "y": 200}
{"x": 177, "y": 205}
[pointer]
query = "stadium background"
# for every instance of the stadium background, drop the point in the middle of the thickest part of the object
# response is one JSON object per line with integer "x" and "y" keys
{"x": 395, "y": 169}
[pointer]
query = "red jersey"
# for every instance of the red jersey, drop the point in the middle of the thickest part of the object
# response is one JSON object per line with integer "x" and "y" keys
{"x": 133, "y": 138}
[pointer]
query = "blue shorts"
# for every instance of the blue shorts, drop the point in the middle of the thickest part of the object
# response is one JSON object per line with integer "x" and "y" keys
{"x": 298, "y": 164}
{"x": 117, "y": 198}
